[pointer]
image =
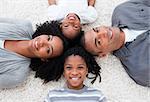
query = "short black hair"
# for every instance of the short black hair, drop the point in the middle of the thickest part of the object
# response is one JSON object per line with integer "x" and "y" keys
{"x": 48, "y": 70}
{"x": 76, "y": 40}
{"x": 91, "y": 63}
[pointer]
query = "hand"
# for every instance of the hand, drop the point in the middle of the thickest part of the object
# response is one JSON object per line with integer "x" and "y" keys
{"x": 91, "y": 3}
{"x": 51, "y": 2}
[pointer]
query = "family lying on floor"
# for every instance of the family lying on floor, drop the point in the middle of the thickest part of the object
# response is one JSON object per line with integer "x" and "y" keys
{"x": 60, "y": 47}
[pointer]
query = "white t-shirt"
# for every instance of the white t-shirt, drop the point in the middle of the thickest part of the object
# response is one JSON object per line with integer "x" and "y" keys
{"x": 2, "y": 44}
{"x": 87, "y": 14}
{"x": 130, "y": 34}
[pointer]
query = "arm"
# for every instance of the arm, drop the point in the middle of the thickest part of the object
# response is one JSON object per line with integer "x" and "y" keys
{"x": 91, "y": 2}
{"x": 51, "y": 2}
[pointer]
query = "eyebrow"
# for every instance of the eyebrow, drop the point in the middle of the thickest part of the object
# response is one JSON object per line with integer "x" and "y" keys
{"x": 52, "y": 47}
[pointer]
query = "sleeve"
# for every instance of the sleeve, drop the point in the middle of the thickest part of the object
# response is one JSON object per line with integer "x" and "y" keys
{"x": 103, "y": 99}
{"x": 56, "y": 12}
{"x": 13, "y": 73}
{"x": 15, "y": 21}
{"x": 88, "y": 15}
{"x": 17, "y": 27}
{"x": 48, "y": 99}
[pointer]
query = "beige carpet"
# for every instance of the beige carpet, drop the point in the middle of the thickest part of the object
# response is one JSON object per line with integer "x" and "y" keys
{"x": 116, "y": 84}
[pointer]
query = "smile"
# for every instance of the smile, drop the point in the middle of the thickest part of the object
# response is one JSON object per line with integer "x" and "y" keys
{"x": 75, "y": 78}
{"x": 71, "y": 18}
{"x": 110, "y": 33}
{"x": 35, "y": 44}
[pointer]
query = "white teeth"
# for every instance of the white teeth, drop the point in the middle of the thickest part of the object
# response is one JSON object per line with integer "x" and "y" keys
{"x": 71, "y": 17}
{"x": 74, "y": 78}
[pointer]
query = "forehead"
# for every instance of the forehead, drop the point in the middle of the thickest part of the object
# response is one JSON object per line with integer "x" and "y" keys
{"x": 74, "y": 58}
{"x": 90, "y": 42}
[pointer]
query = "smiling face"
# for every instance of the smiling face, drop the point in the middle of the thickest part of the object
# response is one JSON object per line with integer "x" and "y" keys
{"x": 75, "y": 71}
{"x": 102, "y": 40}
{"x": 71, "y": 26}
{"x": 46, "y": 46}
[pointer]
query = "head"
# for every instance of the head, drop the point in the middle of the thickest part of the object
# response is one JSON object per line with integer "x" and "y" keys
{"x": 71, "y": 26}
{"x": 48, "y": 42}
{"x": 77, "y": 63}
{"x": 102, "y": 40}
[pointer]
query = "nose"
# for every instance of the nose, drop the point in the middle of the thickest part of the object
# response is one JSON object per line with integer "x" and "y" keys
{"x": 71, "y": 21}
{"x": 102, "y": 34}
{"x": 43, "y": 43}
{"x": 74, "y": 72}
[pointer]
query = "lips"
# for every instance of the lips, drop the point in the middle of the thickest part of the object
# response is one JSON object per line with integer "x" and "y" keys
{"x": 35, "y": 44}
{"x": 71, "y": 18}
{"x": 75, "y": 78}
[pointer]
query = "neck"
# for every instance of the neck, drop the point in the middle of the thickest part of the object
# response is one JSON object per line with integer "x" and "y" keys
{"x": 121, "y": 40}
{"x": 19, "y": 47}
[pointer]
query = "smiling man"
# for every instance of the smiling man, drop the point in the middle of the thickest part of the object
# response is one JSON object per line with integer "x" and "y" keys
{"x": 128, "y": 39}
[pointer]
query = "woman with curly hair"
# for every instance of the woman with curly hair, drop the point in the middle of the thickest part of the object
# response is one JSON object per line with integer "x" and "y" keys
{"x": 19, "y": 45}
{"x": 76, "y": 64}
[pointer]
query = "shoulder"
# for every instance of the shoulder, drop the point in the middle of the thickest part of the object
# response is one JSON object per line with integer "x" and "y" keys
{"x": 93, "y": 92}
{"x": 57, "y": 91}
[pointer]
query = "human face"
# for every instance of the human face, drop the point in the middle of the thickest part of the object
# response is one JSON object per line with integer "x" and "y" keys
{"x": 71, "y": 26}
{"x": 46, "y": 46}
{"x": 101, "y": 40}
{"x": 75, "y": 71}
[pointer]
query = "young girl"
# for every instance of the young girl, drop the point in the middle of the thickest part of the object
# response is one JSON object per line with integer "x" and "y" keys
{"x": 72, "y": 14}
{"x": 77, "y": 63}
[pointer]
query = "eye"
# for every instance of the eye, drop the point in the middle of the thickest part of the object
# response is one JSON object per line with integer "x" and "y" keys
{"x": 68, "y": 68}
{"x": 76, "y": 26}
{"x": 65, "y": 25}
{"x": 99, "y": 42}
{"x": 80, "y": 67}
{"x": 96, "y": 30}
{"x": 48, "y": 37}
{"x": 48, "y": 50}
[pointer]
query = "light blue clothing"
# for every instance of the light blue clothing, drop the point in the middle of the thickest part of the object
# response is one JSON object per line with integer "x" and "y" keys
{"x": 14, "y": 68}
{"x": 135, "y": 55}
{"x": 65, "y": 94}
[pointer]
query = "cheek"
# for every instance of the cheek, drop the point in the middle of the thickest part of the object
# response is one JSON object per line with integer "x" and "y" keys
{"x": 84, "y": 74}
{"x": 42, "y": 53}
{"x": 66, "y": 75}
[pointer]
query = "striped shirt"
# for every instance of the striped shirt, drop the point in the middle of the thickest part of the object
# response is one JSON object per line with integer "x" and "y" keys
{"x": 69, "y": 95}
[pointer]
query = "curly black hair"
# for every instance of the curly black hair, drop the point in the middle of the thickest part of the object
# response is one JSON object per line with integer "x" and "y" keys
{"x": 51, "y": 28}
{"x": 48, "y": 70}
{"x": 92, "y": 65}
{"x": 76, "y": 40}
